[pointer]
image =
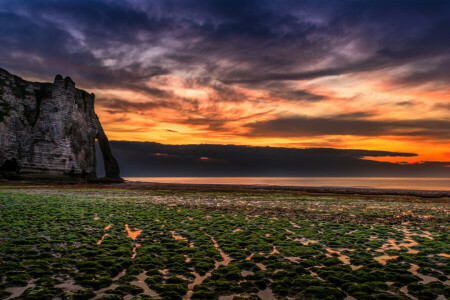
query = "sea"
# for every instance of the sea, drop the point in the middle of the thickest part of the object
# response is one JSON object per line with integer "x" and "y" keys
{"x": 440, "y": 184}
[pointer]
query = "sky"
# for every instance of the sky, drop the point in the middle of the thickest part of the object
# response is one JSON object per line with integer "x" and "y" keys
{"x": 311, "y": 75}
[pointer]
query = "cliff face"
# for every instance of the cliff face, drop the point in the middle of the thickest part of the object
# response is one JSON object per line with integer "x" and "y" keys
{"x": 48, "y": 130}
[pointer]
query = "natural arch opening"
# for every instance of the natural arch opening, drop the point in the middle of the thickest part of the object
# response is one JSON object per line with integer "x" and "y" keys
{"x": 10, "y": 165}
{"x": 99, "y": 163}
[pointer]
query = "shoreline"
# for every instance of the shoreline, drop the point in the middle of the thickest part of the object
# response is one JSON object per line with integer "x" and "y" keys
{"x": 188, "y": 187}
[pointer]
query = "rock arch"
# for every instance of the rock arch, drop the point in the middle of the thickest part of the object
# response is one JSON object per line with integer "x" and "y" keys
{"x": 49, "y": 130}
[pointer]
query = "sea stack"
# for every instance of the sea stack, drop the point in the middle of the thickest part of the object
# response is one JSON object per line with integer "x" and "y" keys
{"x": 48, "y": 131}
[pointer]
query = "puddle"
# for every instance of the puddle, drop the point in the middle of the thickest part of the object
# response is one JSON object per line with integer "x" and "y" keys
{"x": 266, "y": 294}
{"x": 164, "y": 272}
{"x": 404, "y": 290}
{"x": 237, "y": 230}
{"x": 289, "y": 231}
{"x": 134, "y": 251}
{"x": 229, "y": 297}
{"x": 226, "y": 258}
{"x": 245, "y": 273}
{"x": 444, "y": 255}
{"x": 69, "y": 286}
{"x": 292, "y": 258}
{"x": 274, "y": 251}
{"x": 306, "y": 241}
{"x": 108, "y": 227}
{"x": 425, "y": 279}
{"x": 140, "y": 282}
{"x": 294, "y": 225}
{"x": 101, "y": 240}
{"x": 424, "y": 234}
{"x": 384, "y": 258}
{"x": 344, "y": 258}
{"x": 389, "y": 245}
{"x": 261, "y": 266}
{"x": 120, "y": 275}
{"x": 407, "y": 242}
{"x": 17, "y": 291}
{"x": 101, "y": 292}
{"x": 178, "y": 237}
{"x": 314, "y": 274}
{"x": 197, "y": 280}
{"x": 132, "y": 234}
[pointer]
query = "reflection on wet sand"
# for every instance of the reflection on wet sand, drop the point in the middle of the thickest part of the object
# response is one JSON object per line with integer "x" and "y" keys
{"x": 245, "y": 273}
{"x": 274, "y": 251}
{"x": 132, "y": 234}
{"x": 226, "y": 258}
{"x": 101, "y": 240}
{"x": 261, "y": 266}
{"x": 384, "y": 258}
{"x": 134, "y": 250}
{"x": 140, "y": 282}
{"x": 69, "y": 285}
{"x": 408, "y": 243}
{"x": 369, "y": 242}
{"x": 101, "y": 292}
{"x": 404, "y": 290}
{"x": 178, "y": 237}
{"x": 344, "y": 258}
{"x": 267, "y": 294}
{"x": 17, "y": 291}
{"x": 425, "y": 279}
{"x": 198, "y": 278}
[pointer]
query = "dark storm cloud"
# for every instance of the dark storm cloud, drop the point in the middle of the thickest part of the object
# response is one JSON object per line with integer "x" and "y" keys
{"x": 119, "y": 105}
{"x": 349, "y": 125}
{"x": 299, "y": 95}
{"x": 105, "y": 42}
{"x": 437, "y": 71}
{"x": 153, "y": 159}
{"x": 444, "y": 106}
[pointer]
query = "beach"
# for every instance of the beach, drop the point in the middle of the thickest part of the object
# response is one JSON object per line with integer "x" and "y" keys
{"x": 182, "y": 241}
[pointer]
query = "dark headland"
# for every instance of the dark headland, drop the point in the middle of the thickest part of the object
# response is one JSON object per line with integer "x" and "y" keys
{"x": 48, "y": 131}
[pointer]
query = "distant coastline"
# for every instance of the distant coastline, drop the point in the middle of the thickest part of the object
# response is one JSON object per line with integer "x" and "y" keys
{"x": 357, "y": 183}
{"x": 151, "y": 184}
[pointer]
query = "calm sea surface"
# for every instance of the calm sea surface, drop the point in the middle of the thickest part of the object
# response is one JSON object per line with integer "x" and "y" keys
{"x": 358, "y": 182}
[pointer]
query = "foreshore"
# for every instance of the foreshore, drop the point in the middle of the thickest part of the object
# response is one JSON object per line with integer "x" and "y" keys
{"x": 306, "y": 190}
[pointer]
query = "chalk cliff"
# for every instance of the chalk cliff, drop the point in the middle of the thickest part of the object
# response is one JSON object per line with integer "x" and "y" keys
{"x": 48, "y": 130}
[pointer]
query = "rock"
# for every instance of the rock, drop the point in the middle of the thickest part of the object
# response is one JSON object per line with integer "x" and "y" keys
{"x": 48, "y": 130}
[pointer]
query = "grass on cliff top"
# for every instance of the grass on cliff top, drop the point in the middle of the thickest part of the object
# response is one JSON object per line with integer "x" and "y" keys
{"x": 83, "y": 244}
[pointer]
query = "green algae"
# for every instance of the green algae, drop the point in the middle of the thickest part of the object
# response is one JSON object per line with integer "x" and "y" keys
{"x": 48, "y": 238}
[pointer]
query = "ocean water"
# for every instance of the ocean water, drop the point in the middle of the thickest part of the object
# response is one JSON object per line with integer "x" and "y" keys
{"x": 442, "y": 184}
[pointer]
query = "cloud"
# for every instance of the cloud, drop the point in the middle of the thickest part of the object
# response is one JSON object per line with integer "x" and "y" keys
{"x": 209, "y": 64}
{"x": 299, "y": 95}
{"x": 343, "y": 125}
{"x": 231, "y": 41}
{"x": 119, "y": 105}
{"x": 153, "y": 159}
{"x": 430, "y": 71}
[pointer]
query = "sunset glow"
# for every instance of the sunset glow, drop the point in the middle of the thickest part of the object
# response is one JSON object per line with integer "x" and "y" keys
{"x": 345, "y": 75}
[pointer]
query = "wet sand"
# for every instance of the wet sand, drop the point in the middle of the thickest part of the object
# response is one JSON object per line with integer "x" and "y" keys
{"x": 398, "y": 194}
